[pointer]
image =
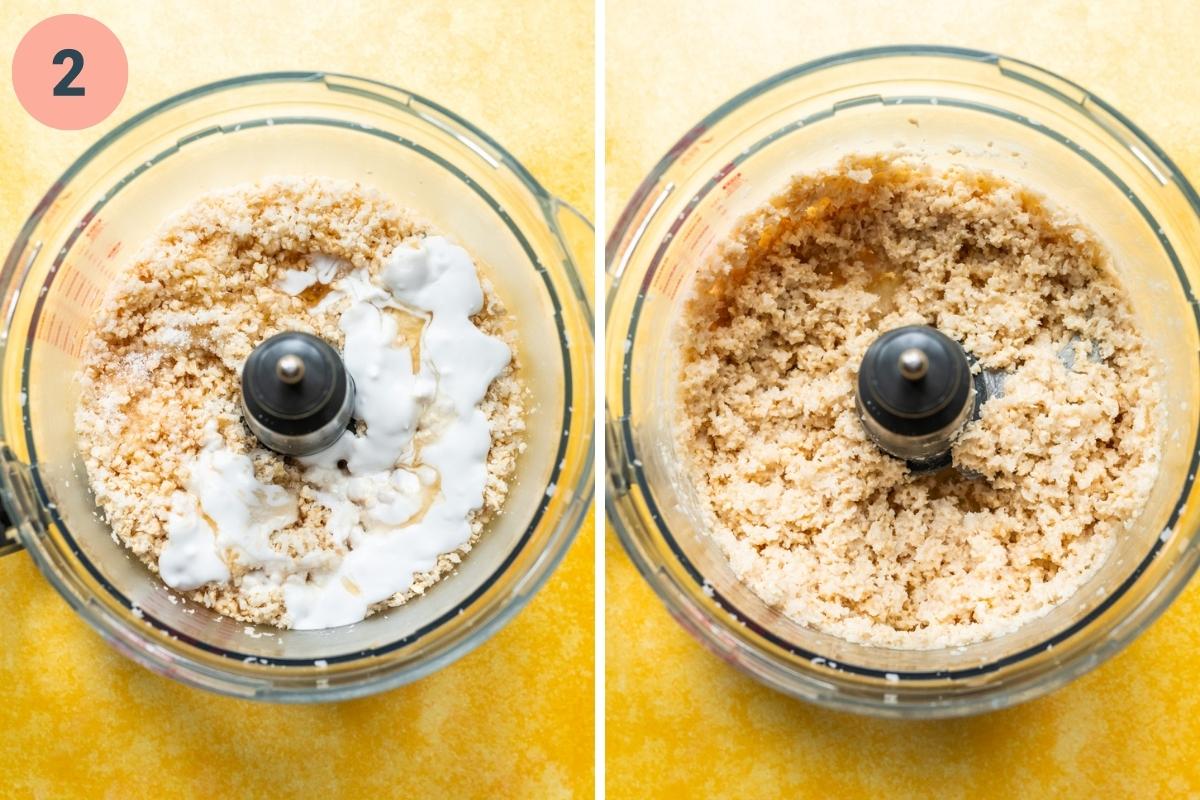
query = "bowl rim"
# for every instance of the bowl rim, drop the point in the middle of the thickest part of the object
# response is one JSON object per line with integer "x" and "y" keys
{"x": 695, "y": 617}
{"x": 647, "y": 184}
{"x": 182, "y": 666}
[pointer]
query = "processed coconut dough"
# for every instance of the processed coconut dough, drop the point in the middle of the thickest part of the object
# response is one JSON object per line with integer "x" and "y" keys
{"x": 811, "y": 514}
{"x": 160, "y": 414}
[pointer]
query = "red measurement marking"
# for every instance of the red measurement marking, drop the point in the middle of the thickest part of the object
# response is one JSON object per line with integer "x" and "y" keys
{"x": 695, "y": 149}
{"x": 734, "y": 183}
{"x": 112, "y": 251}
{"x": 94, "y": 231}
{"x": 696, "y": 228}
{"x": 96, "y": 262}
{"x": 91, "y": 231}
{"x": 723, "y": 171}
{"x": 671, "y": 280}
{"x": 58, "y": 202}
{"x": 80, "y": 289}
{"x": 72, "y": 279}
{"x": 61, "y": 334}
{"x": 695, "y": 241}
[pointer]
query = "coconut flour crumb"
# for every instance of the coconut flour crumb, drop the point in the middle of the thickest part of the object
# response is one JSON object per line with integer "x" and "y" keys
{"x": 161, "y": 368}
{"x": 811, "y": 514}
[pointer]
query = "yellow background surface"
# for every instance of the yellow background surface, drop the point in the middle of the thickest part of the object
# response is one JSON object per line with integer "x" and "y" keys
{"x": 512, "y": 719}
{"x": 680, "y": 722}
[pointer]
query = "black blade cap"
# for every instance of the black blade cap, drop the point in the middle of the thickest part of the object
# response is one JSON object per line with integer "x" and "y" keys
{"x": 293, "y": 383}
{"x": 914, "y": 380}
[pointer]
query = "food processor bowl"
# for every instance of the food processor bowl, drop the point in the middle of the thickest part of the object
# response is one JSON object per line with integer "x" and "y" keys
{"x": 533, "y": 247}
{"x": 948, "y": 107}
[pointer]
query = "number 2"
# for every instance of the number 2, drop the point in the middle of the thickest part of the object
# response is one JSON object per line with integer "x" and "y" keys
{"x": 64, "y": 88}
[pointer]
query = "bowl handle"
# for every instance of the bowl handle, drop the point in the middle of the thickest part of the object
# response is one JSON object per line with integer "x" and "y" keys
{"x": 8, "y": 535}
{"x": 15, "y": 486}
{"x": 578, "y": 237}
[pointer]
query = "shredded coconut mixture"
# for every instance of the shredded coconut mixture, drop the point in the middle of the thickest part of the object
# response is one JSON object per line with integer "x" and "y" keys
{"x": 812, "y": 515}
{"x": 248, "y": 532}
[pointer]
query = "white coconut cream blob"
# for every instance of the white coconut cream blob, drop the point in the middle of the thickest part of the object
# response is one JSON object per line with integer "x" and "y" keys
{"x": 397, "y": 506}
{"x": 189, "y": 559}
{"x": 321, "y": 269}
{"x": 440, "y": 278}
{"x": 295, "y": 281}
{"x": 226, "y": 516}
{"x": 388, "y": 397}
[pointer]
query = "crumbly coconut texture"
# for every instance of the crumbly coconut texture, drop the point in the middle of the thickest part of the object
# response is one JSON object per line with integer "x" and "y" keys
{"x": 814, "y": 517}
{"x": 164, "y": 356}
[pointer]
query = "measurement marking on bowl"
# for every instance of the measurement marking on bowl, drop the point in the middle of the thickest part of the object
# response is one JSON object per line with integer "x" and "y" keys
{"x": 83, "y": 291}
{"x": 65, "y": 335}
{"x": 695, "y": 148}
{"x": 698, "y": 237}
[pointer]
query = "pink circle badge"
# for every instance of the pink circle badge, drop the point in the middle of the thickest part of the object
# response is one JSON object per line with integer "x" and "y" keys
{"x": 70, "y": 72}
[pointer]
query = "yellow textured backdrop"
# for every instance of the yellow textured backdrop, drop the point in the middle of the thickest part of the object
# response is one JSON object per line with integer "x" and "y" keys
{"x": 512, "y": 719}
{"x": 680, "y": 722}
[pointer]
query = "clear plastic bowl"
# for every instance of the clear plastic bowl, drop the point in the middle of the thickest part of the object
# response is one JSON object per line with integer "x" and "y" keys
{"x": 949, "y": 106}
{"x": 536, "y": 251}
